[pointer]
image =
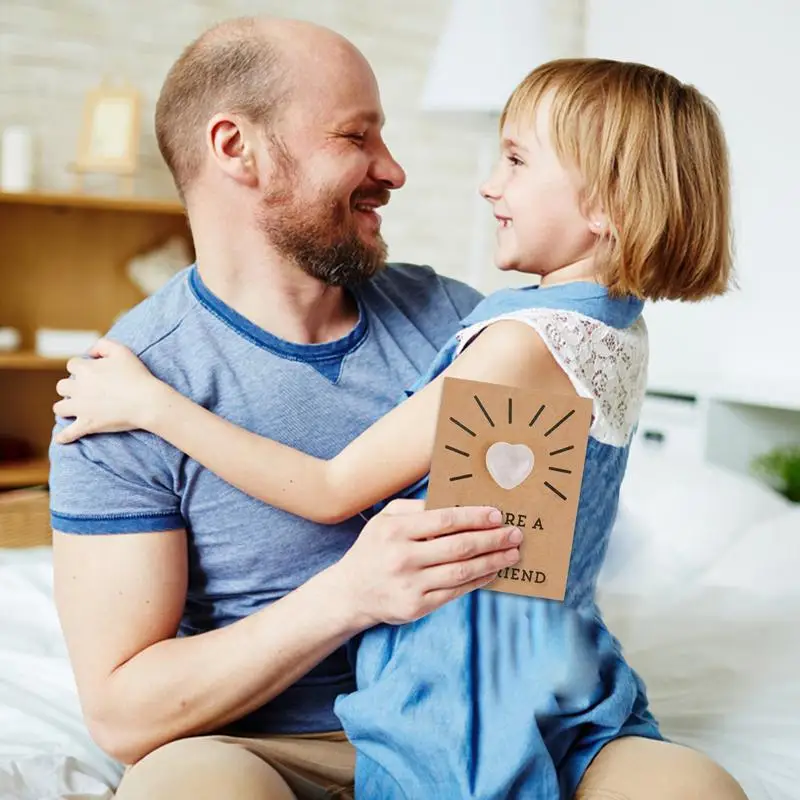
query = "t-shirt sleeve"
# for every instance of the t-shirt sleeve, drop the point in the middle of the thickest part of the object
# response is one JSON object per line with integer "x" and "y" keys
{"x": 112, "y": 483}
{"x": 463, "y": 297}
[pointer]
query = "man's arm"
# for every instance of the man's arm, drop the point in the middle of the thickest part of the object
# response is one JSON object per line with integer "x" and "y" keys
{"x": 120, "y": 599}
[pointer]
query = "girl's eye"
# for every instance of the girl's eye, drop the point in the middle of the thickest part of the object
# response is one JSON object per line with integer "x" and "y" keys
{"x": 513, "y": 160}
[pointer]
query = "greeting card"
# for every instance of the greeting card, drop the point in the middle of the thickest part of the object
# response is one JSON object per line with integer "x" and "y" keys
{"x": 523, "y": 452}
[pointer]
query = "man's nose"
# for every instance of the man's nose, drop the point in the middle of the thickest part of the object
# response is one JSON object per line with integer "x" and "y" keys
{"x": 387, "y": 171}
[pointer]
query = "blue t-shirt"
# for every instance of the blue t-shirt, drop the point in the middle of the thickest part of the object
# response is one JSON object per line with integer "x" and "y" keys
{"x": 244, "y": 554}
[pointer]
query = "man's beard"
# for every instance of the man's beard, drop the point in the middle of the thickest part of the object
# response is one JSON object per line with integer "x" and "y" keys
{"x": 321, "y": 237}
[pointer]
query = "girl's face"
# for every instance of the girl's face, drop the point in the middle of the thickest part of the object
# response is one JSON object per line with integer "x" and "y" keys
{"x": 541, "y": 227}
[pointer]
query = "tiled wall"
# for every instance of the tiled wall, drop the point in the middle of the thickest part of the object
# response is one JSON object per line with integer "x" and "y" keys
{"x": 53, "y": 51}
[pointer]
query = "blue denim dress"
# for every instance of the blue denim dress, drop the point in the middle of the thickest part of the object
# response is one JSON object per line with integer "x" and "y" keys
{"x": 494, "y": 695}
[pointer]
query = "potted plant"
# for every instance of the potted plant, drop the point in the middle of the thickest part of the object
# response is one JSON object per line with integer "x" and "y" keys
{"x": 781, "y": 468}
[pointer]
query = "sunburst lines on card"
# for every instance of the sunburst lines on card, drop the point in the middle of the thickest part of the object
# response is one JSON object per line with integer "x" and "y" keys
{"x": 554, "y": 490}
{"x": 462, "y": 426}
{"x": 536, "y": 416}
{"x": 560, "y": 422}
{"x": 483, "y": 409}
{"x": 477, "y": 424}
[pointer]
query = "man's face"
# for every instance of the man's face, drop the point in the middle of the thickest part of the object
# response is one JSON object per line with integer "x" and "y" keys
{"x": 332, "y": 173}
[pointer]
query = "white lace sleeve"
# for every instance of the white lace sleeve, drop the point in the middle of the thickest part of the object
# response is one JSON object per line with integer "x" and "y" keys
{"x": 605, "y": 364}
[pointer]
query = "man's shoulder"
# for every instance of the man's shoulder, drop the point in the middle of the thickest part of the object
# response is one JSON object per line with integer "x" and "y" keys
{"x": 157, "y": 317}
{"x": 418, "y": 289}
{"x": 124, "y": 482}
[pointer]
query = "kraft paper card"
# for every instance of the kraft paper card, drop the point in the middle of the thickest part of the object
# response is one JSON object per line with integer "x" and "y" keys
{"x": 522, "y": 452}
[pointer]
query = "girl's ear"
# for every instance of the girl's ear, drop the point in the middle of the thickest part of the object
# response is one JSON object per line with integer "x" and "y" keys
{"x": 598, "y": 222}
{"x": 598, "y": 225}
{"x": 593, "y": 212}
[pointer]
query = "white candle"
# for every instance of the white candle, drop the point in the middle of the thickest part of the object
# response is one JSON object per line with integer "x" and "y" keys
{"x": 16, "y": 160}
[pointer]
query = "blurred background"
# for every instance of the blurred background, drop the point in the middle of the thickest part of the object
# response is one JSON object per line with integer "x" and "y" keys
{"x": 445, "y": 68}
{"x": 701, "y": 583}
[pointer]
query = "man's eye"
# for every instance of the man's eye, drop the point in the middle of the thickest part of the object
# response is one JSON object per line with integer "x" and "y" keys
{"x": 355, "y": 137}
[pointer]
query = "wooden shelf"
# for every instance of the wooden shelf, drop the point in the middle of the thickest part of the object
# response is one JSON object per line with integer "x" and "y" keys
{"x": 94, "y": 201}
{"x": 16, "y": 474}
{"x": 64, "y": 266}
{"x": 26, "y": 360}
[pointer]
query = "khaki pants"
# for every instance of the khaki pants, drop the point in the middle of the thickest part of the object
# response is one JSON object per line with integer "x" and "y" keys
{"x": 310, "y": 766}
{"x": 321, "y": 766}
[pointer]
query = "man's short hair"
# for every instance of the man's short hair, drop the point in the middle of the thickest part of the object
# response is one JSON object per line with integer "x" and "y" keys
{"x": 233, "y": 67}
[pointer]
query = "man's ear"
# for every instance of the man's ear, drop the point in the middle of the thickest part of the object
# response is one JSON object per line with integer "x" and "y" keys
{"x": 232, "y": 143}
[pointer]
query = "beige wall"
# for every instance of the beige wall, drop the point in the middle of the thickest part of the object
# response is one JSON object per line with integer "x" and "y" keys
{"x": 53, "y": 51}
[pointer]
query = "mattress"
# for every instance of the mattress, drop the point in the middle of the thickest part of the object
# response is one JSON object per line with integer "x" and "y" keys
{"x": 700, "y": 586}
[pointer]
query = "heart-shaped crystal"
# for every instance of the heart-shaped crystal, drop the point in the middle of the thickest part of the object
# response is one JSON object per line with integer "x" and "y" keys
{"x": 509, "y": 464}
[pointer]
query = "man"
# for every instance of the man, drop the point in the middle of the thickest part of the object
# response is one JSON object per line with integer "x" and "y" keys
{"x": 213, "y": 613}
{"x": 207, "y": 642}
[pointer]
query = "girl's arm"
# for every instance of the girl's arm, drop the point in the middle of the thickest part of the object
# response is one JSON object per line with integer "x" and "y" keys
{"x": 389, "y": 456}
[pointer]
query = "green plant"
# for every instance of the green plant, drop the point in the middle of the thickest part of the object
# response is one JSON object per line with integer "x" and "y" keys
{"x": 781, "y": 468}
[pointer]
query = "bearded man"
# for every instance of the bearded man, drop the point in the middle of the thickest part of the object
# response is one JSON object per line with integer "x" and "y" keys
{"x": 207, "y": 631}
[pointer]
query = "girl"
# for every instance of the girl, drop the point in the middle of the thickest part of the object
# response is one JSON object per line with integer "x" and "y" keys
{"x": 613, "y": 187}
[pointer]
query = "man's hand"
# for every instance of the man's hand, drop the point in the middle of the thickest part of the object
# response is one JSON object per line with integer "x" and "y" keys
{"x": 408, "y": 561}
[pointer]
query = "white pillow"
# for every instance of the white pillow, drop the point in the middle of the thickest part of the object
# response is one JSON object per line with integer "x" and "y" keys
{"x": 720, "y": 665}
{"x": 677, "y": 518}
{"x": 765, "y": 559}
{"x": 700, "y": 586}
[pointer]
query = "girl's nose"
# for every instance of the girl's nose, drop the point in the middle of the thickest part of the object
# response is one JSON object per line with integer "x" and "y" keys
{"x": 490, "y": 188}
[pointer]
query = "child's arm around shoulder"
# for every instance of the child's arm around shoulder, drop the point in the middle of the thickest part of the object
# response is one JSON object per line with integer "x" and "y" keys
{"x": 396, "y": 451}
{"x": 389, "y": 456}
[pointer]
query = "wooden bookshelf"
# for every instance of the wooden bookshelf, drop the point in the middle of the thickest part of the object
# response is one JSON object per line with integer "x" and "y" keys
{"x": 24, "y": 473}
{"x": 96, "y": 202}
{"x": 63, "y": 265}
{"x": 29, "y": 360}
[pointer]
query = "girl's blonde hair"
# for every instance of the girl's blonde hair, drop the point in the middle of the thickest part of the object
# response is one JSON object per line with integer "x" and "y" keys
{"x": 652, "y": 154}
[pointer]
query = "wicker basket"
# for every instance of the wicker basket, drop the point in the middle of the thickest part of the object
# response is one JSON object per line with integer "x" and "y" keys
{"x": 25, "y": 518}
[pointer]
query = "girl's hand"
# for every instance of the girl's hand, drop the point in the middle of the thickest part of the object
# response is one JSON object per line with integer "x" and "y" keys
{"x": 110, "y": 392}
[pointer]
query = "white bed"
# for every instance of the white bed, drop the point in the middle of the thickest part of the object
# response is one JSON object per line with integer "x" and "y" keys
{"x": 701, "y": 586}
{"x": 45, "y": 750}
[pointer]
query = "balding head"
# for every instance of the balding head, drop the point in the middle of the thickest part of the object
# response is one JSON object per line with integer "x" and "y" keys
{"x": 244, "y": 66}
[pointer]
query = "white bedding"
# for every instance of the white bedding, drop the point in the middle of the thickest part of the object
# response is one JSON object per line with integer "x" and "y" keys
{"x": 45, "y": 750}
{"x": 701, "y": 586}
